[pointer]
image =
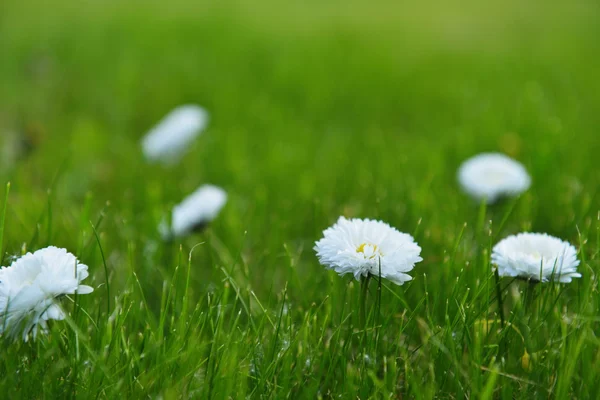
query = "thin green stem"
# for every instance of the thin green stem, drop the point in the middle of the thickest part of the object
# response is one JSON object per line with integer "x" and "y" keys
{"x": 105, "y": 270}
{"x": 499, "y": 298}
{"x": 364, "y": 289}
{"x": 529, "y": 297}
{"x": 502, "y": 347}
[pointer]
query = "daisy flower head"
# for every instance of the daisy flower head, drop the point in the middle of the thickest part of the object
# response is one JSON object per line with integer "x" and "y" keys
{"x": 195, "y": 211}
{"x": 488, "y": 176}
{"x": 31, "y": 286}
{"x": 537, "y": 257}
{"x": 363, "y": 247}
{"x": 169, "y": 139}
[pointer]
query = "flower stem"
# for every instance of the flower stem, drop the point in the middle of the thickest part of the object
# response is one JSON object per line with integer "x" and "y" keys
{"x": 503, "y": 349}
{"x": 499, "y": 298}
{"x": 364, "y": 289}
{"x": 529, "y": 296}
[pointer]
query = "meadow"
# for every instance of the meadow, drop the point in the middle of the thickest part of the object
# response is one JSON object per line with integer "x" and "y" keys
{"x": 317, "y": 109}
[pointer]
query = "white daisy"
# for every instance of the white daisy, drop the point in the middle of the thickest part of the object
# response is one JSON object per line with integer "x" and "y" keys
{"x": 536, "y": 256}
{"x": 492, "y": 175}
{"x": 363, "y": 246}
{"x": 31, "y": 286}
{"x": 197, "y": 210}
{"x": 168, "y": 140}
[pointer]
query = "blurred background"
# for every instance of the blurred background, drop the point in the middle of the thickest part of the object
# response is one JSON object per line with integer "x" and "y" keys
{"x": 318, "y": 109}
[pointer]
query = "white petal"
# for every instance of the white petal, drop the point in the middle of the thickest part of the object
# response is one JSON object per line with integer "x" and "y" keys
{"x": 53, "y": 312}
{"x": 84, "y": 289}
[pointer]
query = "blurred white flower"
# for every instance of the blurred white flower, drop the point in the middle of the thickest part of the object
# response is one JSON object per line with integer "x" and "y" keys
{"x": 363, "y": 246}
{"x": 168, "y": 140}
{"x": 31, "y": 286}
{"x": 195, "y": 211}
{"x": 492, "y": 175}
{"x": 536, "y": 256}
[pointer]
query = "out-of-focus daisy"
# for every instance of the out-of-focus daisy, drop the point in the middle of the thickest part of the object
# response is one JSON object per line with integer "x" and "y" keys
{"x": 364, "y": 247}
{"x": 31, "y": 286}
{"x": 537, "y": 257}
{"x": 168, "y": 140}
{"x": 194, "y": 212}
{"x": 9, "y": 149}
{"x": 16, "y": 146}
{"x": 489, "y": 176}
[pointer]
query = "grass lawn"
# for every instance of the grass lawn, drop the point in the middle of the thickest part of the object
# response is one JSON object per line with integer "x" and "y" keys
{"x": 318, "y": 109}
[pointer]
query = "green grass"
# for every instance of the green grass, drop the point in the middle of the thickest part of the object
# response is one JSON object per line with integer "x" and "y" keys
{"x": 318, "y": 109}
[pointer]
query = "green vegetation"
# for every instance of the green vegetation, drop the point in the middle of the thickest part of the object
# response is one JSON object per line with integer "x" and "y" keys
{"x": 318, "y": 109}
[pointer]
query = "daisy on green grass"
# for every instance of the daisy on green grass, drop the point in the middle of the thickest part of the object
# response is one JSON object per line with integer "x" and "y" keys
{"x": 489, "y": 176}
{"x": 30, "y": 289}
{"x": 195, "y": 211}
{"x": 171, "y": 137}
{"x": 364, "y": 247}
{"x": 537, "y": 257}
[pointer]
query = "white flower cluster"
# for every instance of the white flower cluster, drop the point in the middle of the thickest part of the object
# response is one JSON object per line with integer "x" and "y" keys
{"x": 166, "y": 143}
{"x": 531, "y": 256}
{"x": 31, "y": 287}
{"x": 366, "y": 247}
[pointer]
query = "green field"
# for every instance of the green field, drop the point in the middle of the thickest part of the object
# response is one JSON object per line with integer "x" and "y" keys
{"x": 318, "y": 109}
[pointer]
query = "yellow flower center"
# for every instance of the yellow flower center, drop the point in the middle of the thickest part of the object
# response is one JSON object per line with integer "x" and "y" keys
{"x": 361, "y": 249}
